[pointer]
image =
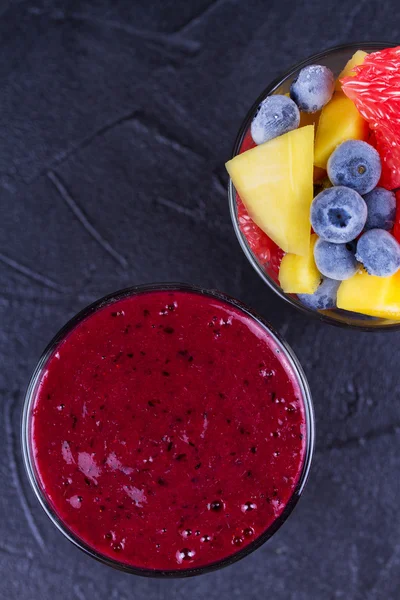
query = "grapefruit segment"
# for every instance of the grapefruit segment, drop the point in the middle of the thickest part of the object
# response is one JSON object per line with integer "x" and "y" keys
{"x": 375, "y": 90}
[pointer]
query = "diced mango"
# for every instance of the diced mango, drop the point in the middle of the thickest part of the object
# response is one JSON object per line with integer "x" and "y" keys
{"x": 339, "y": 121}
{"x": 275, "y": 183}
{"x": 356, "y": 60}
{"x": 371, "y": 295}
{"x": 363, "y": 293}
{"x": 392, "y": 307}
{"x": 299, "y": 274}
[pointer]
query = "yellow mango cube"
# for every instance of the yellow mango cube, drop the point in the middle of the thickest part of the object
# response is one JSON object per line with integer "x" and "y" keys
{"x": 299, "y": 274}
{"x": 275, "y": 183}
{"x": 339, "y": 121}
{"x": 392, "y": 305}
{"x": 371, "y": 295}
{"x": 348, "y": 71}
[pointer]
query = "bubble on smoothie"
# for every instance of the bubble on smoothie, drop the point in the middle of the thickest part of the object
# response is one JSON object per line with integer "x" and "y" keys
{"x": 266, "y": 373}
{"x": 171, "y": 307}
{"x": 248, "y": 532}
{"x": 248, "y": 506}
{"x": 216, "y": 506}
{"x": 185, "y": 554}
{"x": 119, "y": 546}
{"x": 237, "y": 540}
{"x": 185, "y": 533}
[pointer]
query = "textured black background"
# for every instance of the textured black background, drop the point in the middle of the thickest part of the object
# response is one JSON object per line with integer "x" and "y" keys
{"x": 115, "y": 120}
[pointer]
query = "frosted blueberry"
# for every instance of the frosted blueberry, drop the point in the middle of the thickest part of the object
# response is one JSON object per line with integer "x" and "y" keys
{"x": 356, "y": 165}
{"x": 312, "y": 88}
{"x": 275, "y": 116}
{"x": 379, "y": 252}
{"x": 335, "y": 261}
{"x": 324, "y": 297}
{"x": 338, "y": 214}
{"x": 381, "y": 206}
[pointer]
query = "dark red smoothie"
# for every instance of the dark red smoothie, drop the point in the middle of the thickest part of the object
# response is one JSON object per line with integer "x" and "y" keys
{"x": 168, "y": 430}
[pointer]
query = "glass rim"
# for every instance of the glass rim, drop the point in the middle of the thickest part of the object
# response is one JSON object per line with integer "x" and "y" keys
{"x": 29, "y": 462}
{"x": 361, "y": 325}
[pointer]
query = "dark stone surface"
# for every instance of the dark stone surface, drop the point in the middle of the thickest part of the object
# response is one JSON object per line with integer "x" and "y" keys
{"x": 115, "y": 120}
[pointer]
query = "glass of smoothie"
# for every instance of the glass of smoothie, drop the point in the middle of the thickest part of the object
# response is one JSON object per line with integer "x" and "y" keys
{"x": 168, "y": 430}
{"x": 371, "y": 302}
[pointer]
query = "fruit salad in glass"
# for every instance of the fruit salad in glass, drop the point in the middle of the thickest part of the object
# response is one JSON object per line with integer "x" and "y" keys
{"x": 315, "y": 186}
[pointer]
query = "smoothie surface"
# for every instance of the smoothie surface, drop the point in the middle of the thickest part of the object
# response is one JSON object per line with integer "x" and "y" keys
{"x": 168, "y": 430}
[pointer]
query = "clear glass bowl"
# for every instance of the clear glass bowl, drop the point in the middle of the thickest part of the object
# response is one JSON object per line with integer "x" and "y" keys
{"x": 27, "y": 441}
{"x": 335, "y": 59}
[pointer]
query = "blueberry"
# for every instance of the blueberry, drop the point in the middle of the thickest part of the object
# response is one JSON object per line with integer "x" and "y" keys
{"x": 336, "y": 261}
{"x": 338, "y": 214}
{"x": 379, "y": 252}
{"x": 381, "y": 206}
{"x": 275, "y": 116}
{"x": 356, "y": 165}
{"x": 324, "y": 297}
{"x": 312, "y": 88}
